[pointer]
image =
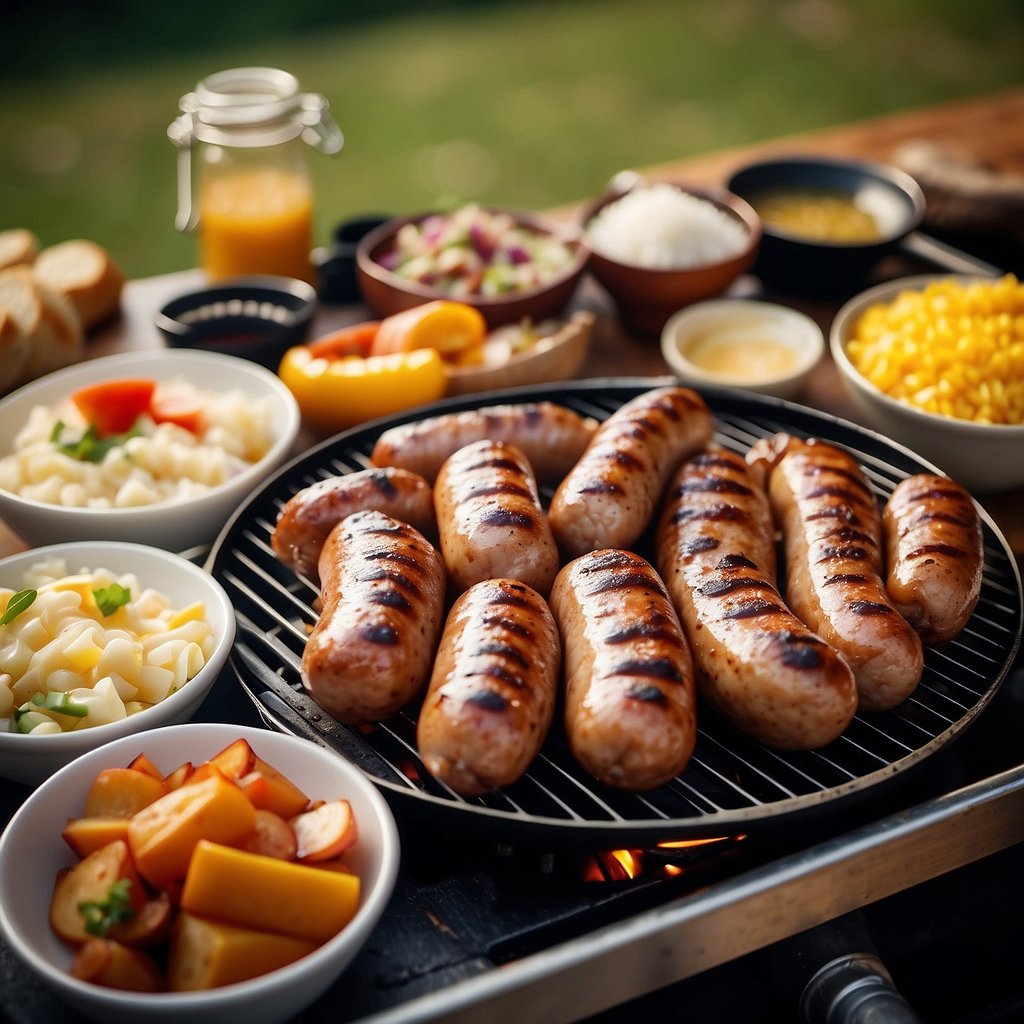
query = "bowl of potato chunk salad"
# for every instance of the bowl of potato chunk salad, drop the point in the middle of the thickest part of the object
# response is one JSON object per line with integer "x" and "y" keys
{"x": 154, "y": 447}
{"x": 99, "y": 640}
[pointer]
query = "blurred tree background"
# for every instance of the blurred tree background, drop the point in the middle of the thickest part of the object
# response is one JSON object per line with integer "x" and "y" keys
{"x": 532, "y": 103}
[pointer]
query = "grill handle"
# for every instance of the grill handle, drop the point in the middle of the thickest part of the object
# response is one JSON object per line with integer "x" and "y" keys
{"x": 854, "y": 989}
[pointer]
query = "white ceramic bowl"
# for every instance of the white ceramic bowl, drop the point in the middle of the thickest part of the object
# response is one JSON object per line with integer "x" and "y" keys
{"x": 984, "y": 458}
{"x": 756, "y": 346}
{"x": 30, "y": 759}
{"x": 173, "y": 525}
{"x": 32, "y": 851}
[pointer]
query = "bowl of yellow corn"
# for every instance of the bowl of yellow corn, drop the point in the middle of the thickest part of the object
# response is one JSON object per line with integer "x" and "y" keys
{"x": 937, "y": 364}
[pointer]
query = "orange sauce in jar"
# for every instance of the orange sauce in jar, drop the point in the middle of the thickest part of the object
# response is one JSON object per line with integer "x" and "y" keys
{"x": 256, "y": 221}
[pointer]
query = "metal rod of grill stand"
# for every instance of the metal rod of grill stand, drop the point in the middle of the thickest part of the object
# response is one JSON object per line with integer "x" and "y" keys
{"x": 854, "y": 989}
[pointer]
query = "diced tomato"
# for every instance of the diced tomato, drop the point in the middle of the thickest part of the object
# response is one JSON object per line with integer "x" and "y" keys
{"x": 112, "y": 406}
{"x": 182, "y": 406}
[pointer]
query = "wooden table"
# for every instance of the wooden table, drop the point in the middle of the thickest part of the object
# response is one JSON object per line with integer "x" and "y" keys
{"x": 990, "y": 127}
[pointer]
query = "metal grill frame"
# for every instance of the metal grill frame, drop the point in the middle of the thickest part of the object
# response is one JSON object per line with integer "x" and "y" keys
{"x": 732, "y": 784}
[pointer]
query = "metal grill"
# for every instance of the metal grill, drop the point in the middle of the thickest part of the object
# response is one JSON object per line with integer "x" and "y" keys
{"x": 732, "y": 784}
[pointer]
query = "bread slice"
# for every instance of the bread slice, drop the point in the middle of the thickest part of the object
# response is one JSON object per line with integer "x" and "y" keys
{"x": 18, "y": 246}
{"x": 14, "y": 351}
{"x": 85, "y": 273}
{"x": 47, "y": 322}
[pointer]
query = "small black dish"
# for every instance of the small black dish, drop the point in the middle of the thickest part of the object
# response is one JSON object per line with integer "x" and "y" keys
{"x": 336, "y": 264}
{"x": 805, "y": 265}
{"x": 255, "y": 318}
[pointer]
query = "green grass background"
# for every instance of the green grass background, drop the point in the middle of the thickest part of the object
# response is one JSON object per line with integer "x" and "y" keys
{"x": 529, "y": 104}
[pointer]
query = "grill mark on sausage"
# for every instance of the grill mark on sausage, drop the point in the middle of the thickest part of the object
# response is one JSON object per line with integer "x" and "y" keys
{"x": 391, "y": 598}
{"x": 735, "y": 561}
{"x": 647, "y": 695}
{"x": 835, "y": 512}
{"x": 611, "y": 559}
{"x": 712, "y": 485}
{"x": 390, "y": 555}
{"x": 517, "y": 599}
{"x": 714, "y": 514}
{"x": 717, "y": 460}
{"x": 699, "y": 545}
{"x": 506, "y": 675}
{"x": 488, "y": 700}
{"x": 721, "y": 587}
{"x": 497, "y": 462}
{"x": 622, "y": 582}
{"x": 838, "y": 491}
{"x": 654, "y": 668}
{"x": 657, "y": 629}
{"x": 844, "y": 577}
{"x": 503, "y": 651}
{"x": 853, "y": 476}
{"x": 801, "y": 652}
{"x": 965, "y": 520}
{"x": 754, "y": 609}
{"x": 848, "y": 551}
{"x": 380, "y": 635}
{"x": 601, "y": 487}
{"x": 937, "y": 549}
{"x": 391, "y": 576}
{"x": 501, "y": 622}
{"x": 870, "y": 608}
{"x": 380, "y": 529}
{"x": 383, "y": 481}
{"x": 939, "y": 493}
{"x": 501, "y": 516}
{"x": 848, "y": 533}
{"x": 505, "y": 487}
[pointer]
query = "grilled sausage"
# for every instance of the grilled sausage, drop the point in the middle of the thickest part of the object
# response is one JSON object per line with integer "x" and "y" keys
{"x": 309, "y": 515}
{"x": 755, "y": 661}
{"x": 549, "y": 435}
{"x": 382, "y": 591}
{"x": 935, "y": 556}
{"x": 490, "y": 520}
{"x": 492, "y": 693}
{"x": 630, "y": 715}
{"x": 609, "y": 496}
{"x": 831, "y": 526}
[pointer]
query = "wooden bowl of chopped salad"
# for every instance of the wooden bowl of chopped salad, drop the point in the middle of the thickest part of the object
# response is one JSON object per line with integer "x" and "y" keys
{"x": 510, "y": 265}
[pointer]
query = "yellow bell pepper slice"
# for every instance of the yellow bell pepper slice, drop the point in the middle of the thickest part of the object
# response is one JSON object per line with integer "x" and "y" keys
{"x": 336, "y": 393}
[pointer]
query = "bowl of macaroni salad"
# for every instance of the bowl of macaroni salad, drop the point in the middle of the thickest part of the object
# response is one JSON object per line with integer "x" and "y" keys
{"x": 153, "y": 447}
{"x": 100, "y": 640}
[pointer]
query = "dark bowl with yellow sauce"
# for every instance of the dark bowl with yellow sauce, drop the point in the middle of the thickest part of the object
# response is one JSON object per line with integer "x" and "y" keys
{"x": 826, "y": 222}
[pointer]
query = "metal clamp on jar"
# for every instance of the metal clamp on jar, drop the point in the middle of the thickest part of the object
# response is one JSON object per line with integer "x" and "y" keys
{"x": 252, "y": 197}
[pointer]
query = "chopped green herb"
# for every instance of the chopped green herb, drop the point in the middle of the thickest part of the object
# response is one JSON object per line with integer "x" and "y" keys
{"x": 101, "y": 915}
{"x": 60, "y": 702}
{"x": 90, "y": 447}
{"x": 109, "y": 599}
{"x": 17, "y": 604}
{"x": 58, "y": 429}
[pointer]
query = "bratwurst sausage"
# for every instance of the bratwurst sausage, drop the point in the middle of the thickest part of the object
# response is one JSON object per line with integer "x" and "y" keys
{"x": 551, "y": 436}
{"x": 831, "y": 527}
{"x": 609, "y": 496}
{"x": 492, "y": 694}
{"x": 490, "y": 519}
{"x": 755, "y": 661}
{"x": 935, "y": 555}
{"x": 630, "y": 714}
{"x": 382, "y": 593}
{"x": 310, "y": 514}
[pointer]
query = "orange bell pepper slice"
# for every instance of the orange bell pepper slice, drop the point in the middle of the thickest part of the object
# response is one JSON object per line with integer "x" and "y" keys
{"x": 453, "y": 328}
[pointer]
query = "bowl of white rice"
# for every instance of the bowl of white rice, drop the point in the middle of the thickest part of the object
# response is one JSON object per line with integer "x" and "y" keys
{"x": 659, "y": 247}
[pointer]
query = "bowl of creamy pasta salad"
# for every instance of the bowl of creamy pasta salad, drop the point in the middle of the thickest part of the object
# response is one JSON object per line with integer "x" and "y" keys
{"x": 153, "y": 447}
{"x": 100, "y": 640}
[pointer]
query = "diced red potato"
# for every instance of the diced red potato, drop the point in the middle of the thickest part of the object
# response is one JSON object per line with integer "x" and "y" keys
{"x": 326, "y": 832}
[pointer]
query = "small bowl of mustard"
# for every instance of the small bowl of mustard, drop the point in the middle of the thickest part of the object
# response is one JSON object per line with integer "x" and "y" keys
{"x": 826, "y": 221}
{"x": 755, "y": 346}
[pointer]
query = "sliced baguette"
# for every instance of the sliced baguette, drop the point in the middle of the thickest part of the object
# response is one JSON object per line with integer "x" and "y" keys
{"x": 47, "y": 321}
{"x": 18, "y": 247}
{"x": 85, "y": 274}
{"x": 15, "y": 347}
